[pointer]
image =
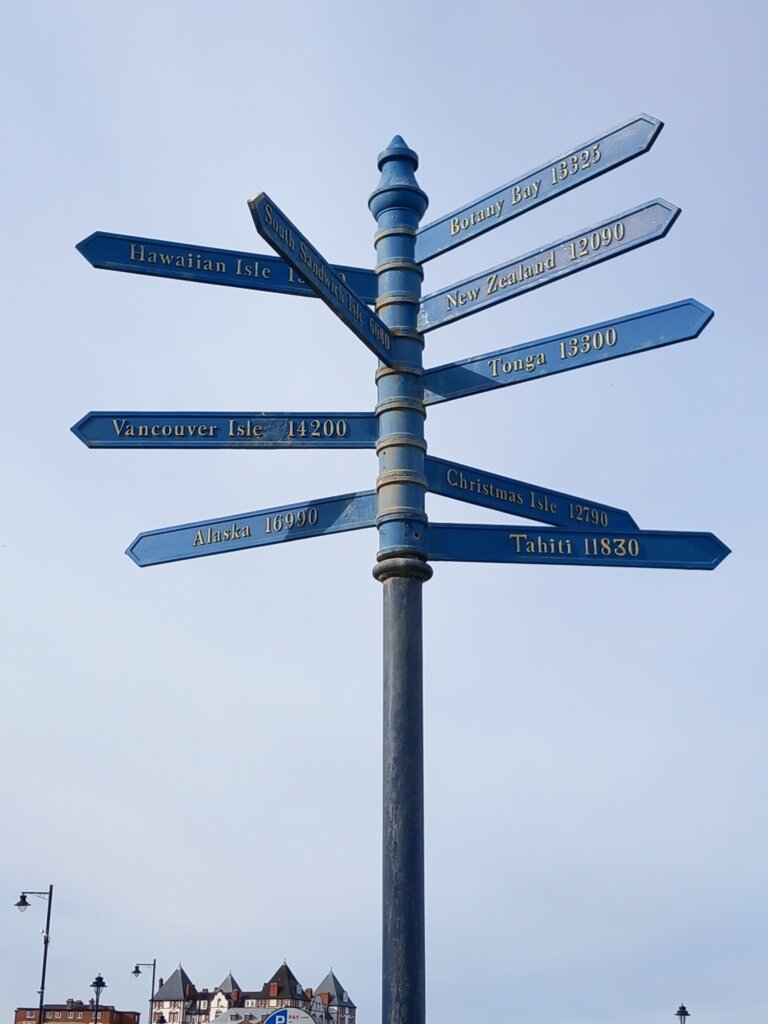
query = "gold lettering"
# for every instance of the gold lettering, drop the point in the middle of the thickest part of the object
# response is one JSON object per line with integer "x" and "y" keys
{"x": 544, "y": 544}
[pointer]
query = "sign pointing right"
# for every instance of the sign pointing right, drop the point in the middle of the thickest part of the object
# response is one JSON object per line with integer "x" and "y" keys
{"x": 518, "y": 498}
{"x": 611, "y": 339}
{"x": 565, "y": 172}
{"x": 612, "y": 237}
{"x": 650, "y": 549}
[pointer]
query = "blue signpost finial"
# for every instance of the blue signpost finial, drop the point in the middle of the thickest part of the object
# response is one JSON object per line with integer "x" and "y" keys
{"x": 398, "y": 149}
{"x": 398, "y": 165}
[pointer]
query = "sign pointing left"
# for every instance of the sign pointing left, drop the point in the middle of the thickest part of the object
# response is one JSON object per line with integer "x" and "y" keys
{"x": 285, "y": 238}
{"x": 255, "y": 529}
{"x": 227, "y": 430}
{"x": 201, "y": 263}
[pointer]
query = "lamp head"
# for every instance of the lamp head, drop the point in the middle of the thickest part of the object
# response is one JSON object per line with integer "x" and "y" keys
{"x": 98, "y": 984}
{"x": 682, "y": 1013}
{"x": 136, "y": 971}
{"x": 22, "y": 904}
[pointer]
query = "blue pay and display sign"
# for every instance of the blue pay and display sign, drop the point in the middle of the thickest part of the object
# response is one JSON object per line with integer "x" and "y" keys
{"x": 650, "y": 549}
{"x": 625, "y": 231}
{"x": 610, "y": 339}
{"x": 286, "y": 239}
{"x": 210, "y": 266}
{"x": 565, "y": 172}
{"x": 529, "y": 501}
{"x": 255, "y": 529}
{"x": 227, "y": 430}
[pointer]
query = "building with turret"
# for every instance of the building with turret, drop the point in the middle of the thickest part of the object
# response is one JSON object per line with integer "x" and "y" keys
{"x": 179, "y": 1001}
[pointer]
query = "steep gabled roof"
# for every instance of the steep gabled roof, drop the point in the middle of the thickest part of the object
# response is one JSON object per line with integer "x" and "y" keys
{"x": 287, "y": 985}
{"x": 229, "y": 985}
{"x": 333, "y": 987}
{"x": 175, "y": 988}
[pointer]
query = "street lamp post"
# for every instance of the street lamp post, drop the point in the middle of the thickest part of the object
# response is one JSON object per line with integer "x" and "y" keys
{"x": 136, "y": 972}
{"x": 22, "y": 905}
{"x": 98, "y": 985}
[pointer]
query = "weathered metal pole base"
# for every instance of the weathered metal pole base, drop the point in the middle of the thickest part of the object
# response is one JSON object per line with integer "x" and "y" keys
{"x": 403, "y": 961}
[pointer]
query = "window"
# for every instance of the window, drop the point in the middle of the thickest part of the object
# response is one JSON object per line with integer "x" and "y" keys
{"x": 30, "y": 1014}
{"x": 57, "y": 1015}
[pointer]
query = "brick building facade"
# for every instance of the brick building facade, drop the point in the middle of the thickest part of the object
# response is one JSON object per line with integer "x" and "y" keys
{"x": 75, "y": 1011}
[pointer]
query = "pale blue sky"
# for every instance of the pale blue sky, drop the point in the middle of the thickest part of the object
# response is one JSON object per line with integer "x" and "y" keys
{"x": 192, "y": 752}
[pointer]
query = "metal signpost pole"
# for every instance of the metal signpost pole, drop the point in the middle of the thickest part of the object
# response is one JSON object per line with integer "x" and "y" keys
{"x": 577, "y": 531}
{"x": 398, "y": 204}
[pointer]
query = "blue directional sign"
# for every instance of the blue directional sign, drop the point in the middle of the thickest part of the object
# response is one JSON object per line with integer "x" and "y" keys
{"x": 529, "y": 501}
{"x": 603, "y": 241}
{"x": 577, "y": 166}
{"x": 227, "y": 430}
{"x": 211, "y": 266}
{"x": 650, "y": 549}
{"x": 610, "y": 339}
{"x": 286, "y": 239}
{"x": 255, "y": 529}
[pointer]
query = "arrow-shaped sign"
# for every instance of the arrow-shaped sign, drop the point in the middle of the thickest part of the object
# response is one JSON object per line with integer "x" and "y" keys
{"x": 255, "y": 529}
{"x": 577, "y": 166}
{"x": 628, "y": 230}
{"x": 227, "y": 430}
{"x": 649, "y": 549}
{"x": 529, "y": 501}
{"x": 285, "y": 238}
{"x": 211, "y": 266}
{"x": 610, "y": 339}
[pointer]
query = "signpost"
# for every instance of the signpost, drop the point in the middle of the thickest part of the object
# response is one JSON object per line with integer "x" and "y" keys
{"x": 579, "y": 532}
{"x": 255, "y": 529}
{"x": 577, "y": 166}
{"x": 285, "y": 238}
{"x": 648, "y": 549}
{"x": 210, "y": 266}
{"x": 529, "y": 501}
{"x": 227, "y": 430}
{"x": 595, "y": 244}
{"x": 610, "y": 339}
